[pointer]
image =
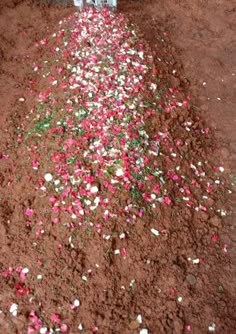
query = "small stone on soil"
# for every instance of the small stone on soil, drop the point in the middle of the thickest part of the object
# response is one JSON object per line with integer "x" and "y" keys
{"x": 191, "y": 279}
{"x": 134, "y": 324}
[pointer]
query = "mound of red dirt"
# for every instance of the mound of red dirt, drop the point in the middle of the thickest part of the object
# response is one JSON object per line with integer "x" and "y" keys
{"x": 112, "y": 189}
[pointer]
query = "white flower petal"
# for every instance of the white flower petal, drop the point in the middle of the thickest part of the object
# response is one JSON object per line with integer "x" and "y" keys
{"x": 94, "y": 189}
{"x": 13, "y": 309}
{"x": 143, "y": 331}
{"x": 76, "y": 303}
{"x": 139, "y": 319}
{"x": 48, "y": 177}
{"x": 155, "y": 232}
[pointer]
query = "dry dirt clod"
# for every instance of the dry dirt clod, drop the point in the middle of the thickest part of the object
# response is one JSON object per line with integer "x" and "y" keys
{"x": 215, "y": 221}
{"x": 134, "y": 324}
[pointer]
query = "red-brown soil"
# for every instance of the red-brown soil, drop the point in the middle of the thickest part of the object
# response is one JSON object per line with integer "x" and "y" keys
{"x": 172, "y": 294}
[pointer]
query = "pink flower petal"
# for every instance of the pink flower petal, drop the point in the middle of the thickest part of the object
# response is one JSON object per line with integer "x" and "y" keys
{"x": 29, "y": 212}
{"x": 64, "y": 328}
{"x": 55, "y": 318}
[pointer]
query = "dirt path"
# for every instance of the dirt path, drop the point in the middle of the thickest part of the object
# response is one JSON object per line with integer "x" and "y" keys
{"x": 156, "y": 280}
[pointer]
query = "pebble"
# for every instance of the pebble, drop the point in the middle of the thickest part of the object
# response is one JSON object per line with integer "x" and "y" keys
{"x": 134, "y": 325}
{"x": 191, "y": 279}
